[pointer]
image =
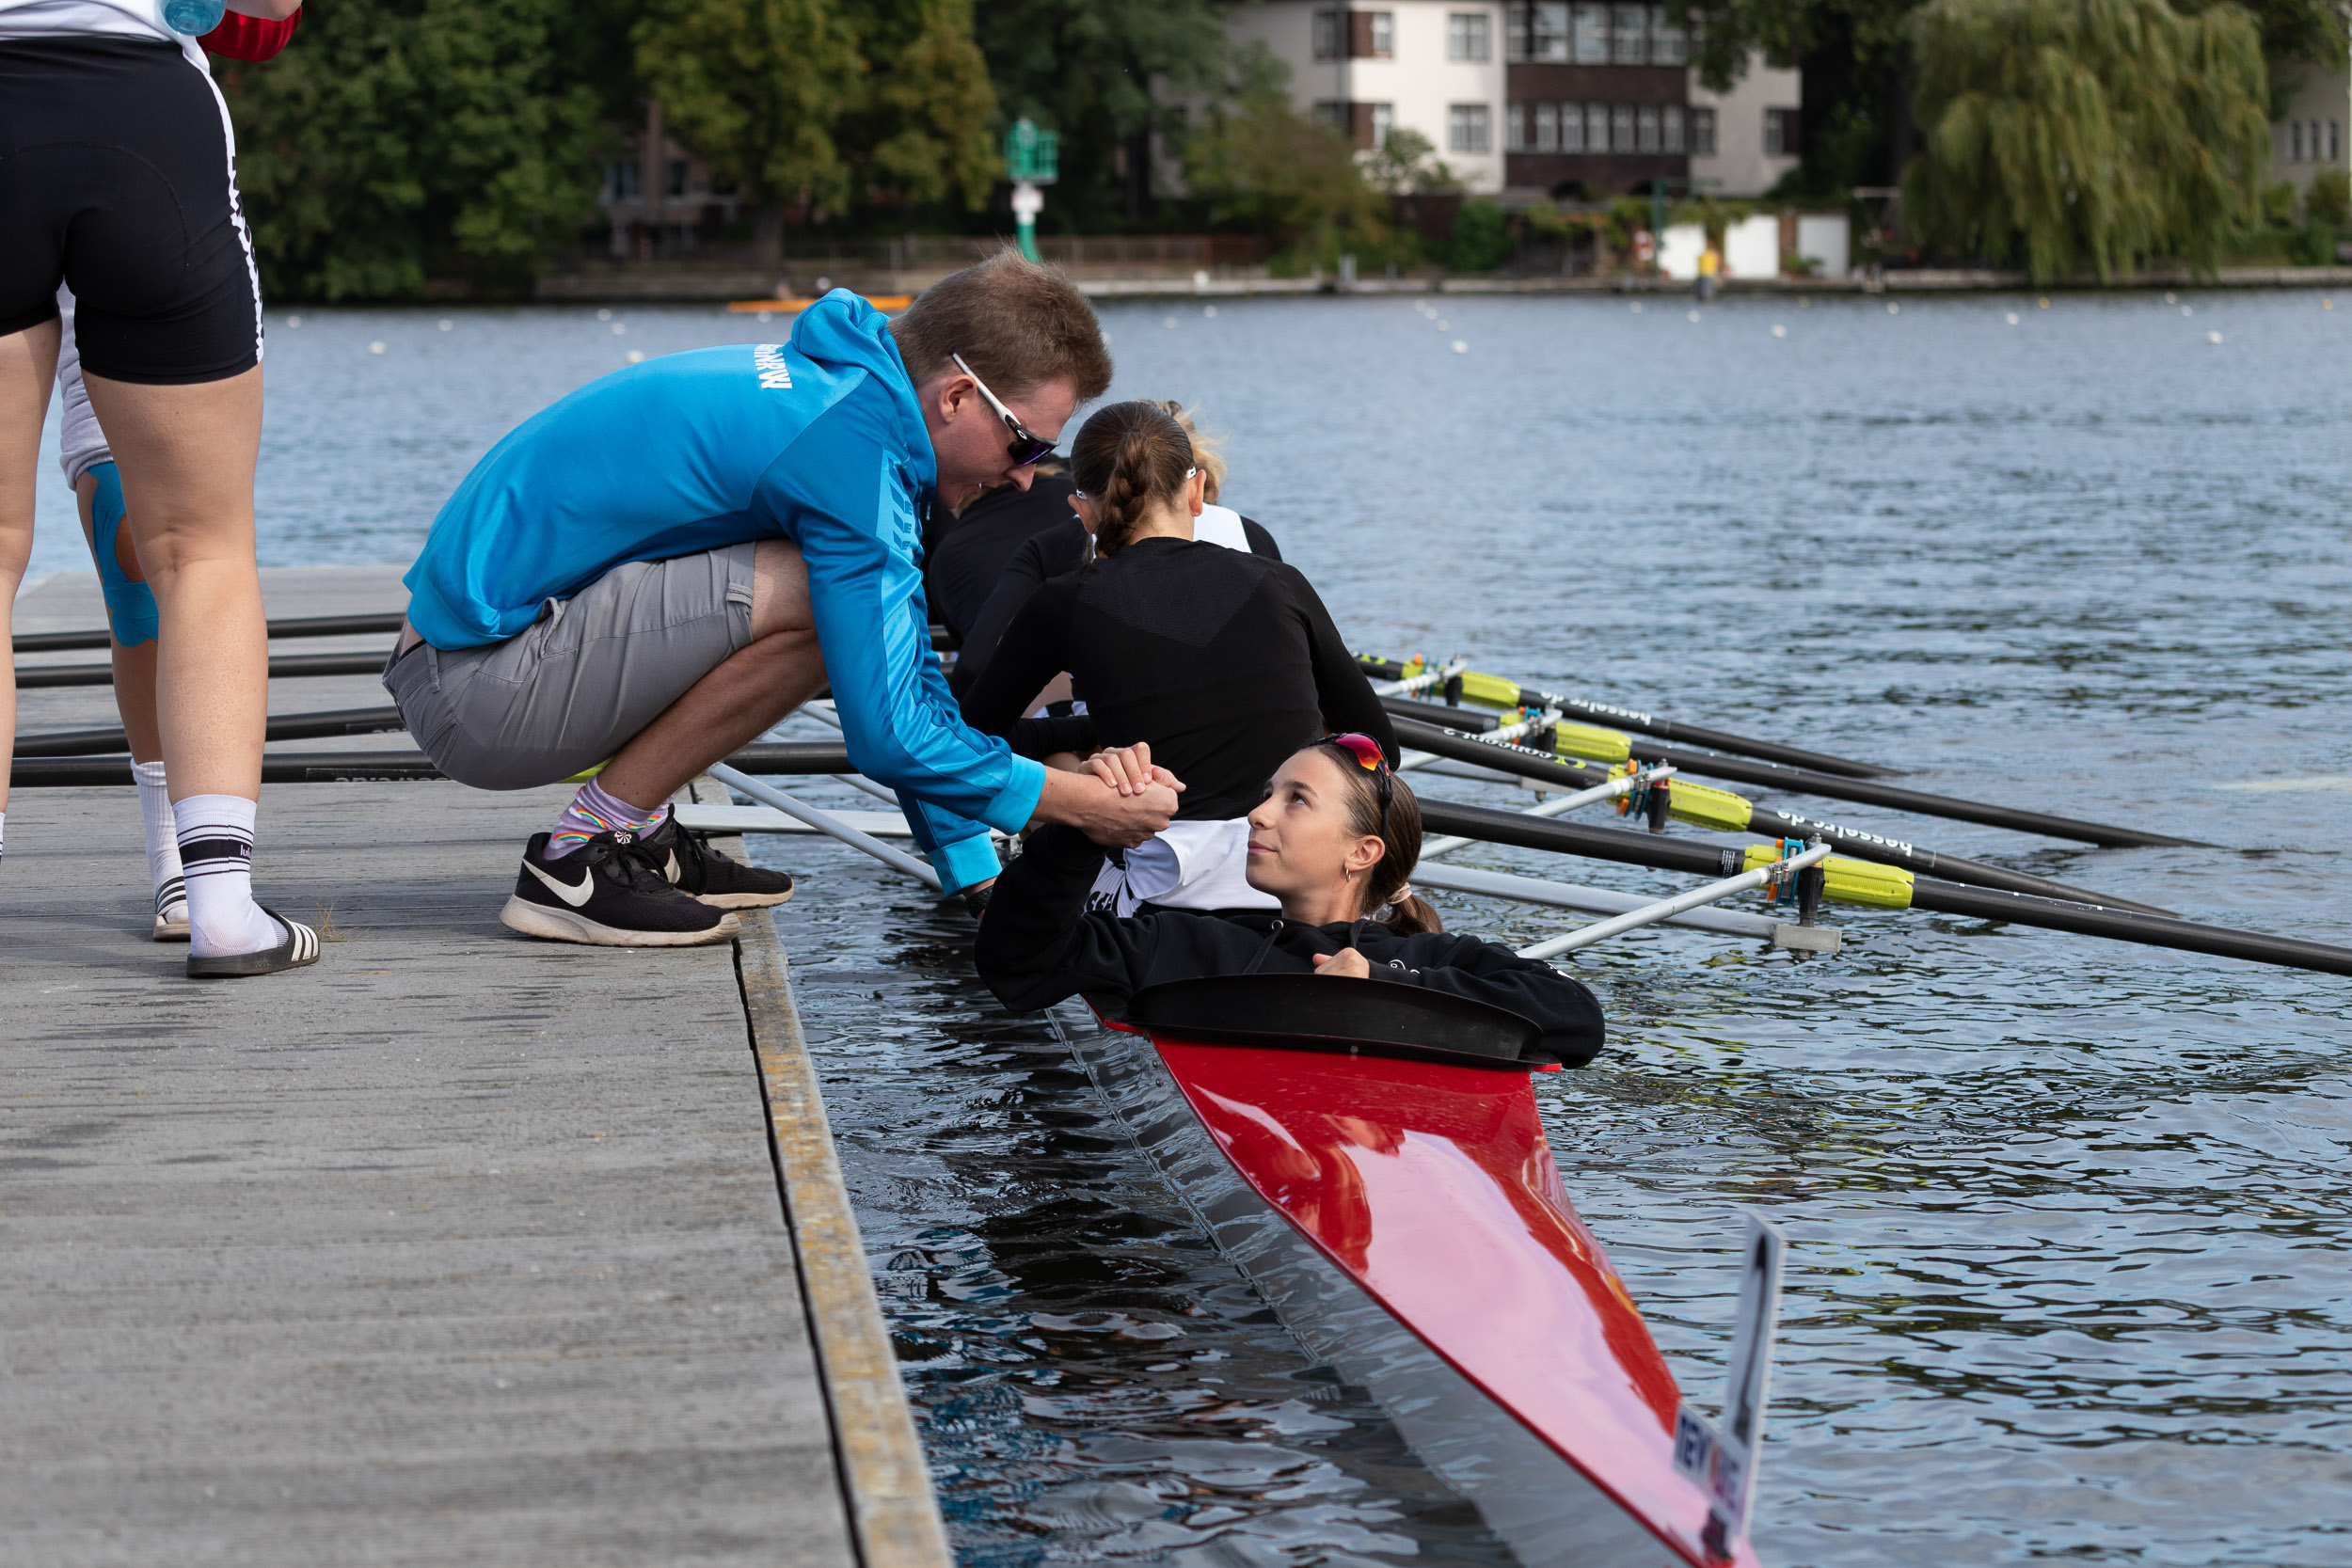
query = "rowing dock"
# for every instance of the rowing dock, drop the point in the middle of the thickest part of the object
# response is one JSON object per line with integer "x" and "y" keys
{"x": 455, "y": 1248}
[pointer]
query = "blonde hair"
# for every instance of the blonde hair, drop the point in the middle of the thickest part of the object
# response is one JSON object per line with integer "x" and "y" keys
{"x": 1017, "y": 323}
{"x": 1208, "y": 452}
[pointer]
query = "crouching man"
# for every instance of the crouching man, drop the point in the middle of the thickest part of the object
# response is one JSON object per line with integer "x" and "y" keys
{"x": 655, "y": 569}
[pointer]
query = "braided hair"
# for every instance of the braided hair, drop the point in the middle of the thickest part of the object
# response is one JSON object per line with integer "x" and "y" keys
{"x": 1386, "y": 885}
{"x": 1127, "y": 458}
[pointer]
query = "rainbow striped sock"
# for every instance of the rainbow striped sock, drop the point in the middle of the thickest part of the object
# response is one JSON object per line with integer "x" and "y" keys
{"x": 595, "y": 811}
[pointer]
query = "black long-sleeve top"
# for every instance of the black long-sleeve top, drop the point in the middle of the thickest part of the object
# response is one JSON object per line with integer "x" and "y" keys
{"x": 1049, "y": 553}
{"x": 1225, "y": 662}
{"x": 1038, "y": 945}
{"x": 962, "y": 568}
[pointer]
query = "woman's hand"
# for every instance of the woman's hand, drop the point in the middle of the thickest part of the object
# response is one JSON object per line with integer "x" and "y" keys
{"x": 1129, "y": 770}
{"x": 1346, "y": 962}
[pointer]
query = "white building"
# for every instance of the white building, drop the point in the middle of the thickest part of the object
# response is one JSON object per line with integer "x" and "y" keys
{"x": 1750, "y": 135}
{"x": 1431, "y": 66}
{"x": 2312, "y": 136}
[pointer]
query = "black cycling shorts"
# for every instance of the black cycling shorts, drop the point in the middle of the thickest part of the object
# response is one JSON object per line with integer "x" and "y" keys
{"x": 116, "y": 176}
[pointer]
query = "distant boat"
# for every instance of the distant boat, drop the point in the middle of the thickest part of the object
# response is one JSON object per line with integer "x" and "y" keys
{"x": 795, "y": 305}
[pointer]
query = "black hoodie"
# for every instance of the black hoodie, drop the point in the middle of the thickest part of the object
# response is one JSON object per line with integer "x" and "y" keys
{"x": 1038, "y": 945}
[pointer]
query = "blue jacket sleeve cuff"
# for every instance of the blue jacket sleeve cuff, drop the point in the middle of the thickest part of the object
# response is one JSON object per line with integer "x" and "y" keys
{"x": 1014, "y": 804}
{"x": 965, "y": 862}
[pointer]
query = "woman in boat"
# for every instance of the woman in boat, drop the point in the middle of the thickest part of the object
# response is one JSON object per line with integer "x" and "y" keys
{"x": 1064, "y": 544}
{"x": 1222, "y": 661}
{"x": 1334, "y": 841}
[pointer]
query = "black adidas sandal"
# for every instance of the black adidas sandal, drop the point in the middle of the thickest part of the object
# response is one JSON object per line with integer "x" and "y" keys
{"x": 300, "y": 947}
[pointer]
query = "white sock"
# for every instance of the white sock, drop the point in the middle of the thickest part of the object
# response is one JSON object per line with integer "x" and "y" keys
{"x": 163, "y": 841}
{"x": 215, "y": 842}
{"x": 4, "y": 833}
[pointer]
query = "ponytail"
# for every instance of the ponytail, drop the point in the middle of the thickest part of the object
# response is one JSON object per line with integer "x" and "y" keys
{"x": 1389, "y": 897}
{"x": 1128, "y": 457}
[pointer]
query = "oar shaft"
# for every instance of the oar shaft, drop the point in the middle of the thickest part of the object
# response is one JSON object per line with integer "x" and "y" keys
{"x": 1453, "y": 743}
{"x": 309, "y": 625}
{"x": 357, "y": 766}
{"x": 283, "y": 726}
{"x": 1671, "y": 854}
{"x": 823, "y": 823}
{"x": 284, "y": 667}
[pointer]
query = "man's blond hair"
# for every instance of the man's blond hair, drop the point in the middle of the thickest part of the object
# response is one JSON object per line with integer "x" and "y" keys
{"x": 1017, "y": 323}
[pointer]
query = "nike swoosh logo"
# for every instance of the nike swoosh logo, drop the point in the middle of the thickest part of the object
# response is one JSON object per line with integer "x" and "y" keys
{"x": 574, "y": 896}
{"x": 672, "y": 874}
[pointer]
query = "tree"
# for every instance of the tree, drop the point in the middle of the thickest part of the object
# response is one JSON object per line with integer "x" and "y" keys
{"x": 756, "y": 86}
{"x": 920, "y": 133}
{"x": 401, "y": 139}
{"x": 1110, "y": 75}
{"x": 1407, "y": 165}
{"x": 2065, "y": 132}
{"x": 1261, "y": 166}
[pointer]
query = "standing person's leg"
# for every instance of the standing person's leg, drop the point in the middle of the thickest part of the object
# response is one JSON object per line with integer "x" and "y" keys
{"x": 130, "y": 623}
{"x": 186, "y": 455}
{"x": 28, "y": 363}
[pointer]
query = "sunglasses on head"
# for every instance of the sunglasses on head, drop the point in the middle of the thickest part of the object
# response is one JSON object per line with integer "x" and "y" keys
{"x": 1025, "y": 447}
{"x": 1373, "y": 760}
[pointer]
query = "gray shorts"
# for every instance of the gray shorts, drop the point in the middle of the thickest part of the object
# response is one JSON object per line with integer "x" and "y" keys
{"x": 583, "y": 679}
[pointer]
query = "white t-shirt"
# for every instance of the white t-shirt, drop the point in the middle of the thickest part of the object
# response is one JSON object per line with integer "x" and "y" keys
{"x": 138, "y": 19}
{"x": 81, "y": 445}
{"x": 1187, "y": 865}
{"x": 1220, "y": 525}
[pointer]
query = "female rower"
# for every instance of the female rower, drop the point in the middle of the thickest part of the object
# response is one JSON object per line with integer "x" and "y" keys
{"x": 1334, "y": 841}
{"x": 1222, "y": 661}
{"x": 1064, "y": 544}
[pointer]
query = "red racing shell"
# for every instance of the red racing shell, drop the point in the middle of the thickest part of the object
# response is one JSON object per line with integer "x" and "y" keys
{"x": 250, "y": 38}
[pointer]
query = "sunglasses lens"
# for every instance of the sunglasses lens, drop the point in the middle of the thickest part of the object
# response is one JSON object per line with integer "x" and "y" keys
{"x": 1031, "y": 450}
{"x": 1365, "y": 750}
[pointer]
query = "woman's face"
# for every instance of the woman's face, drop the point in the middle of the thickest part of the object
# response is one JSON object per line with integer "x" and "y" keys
{"x": 1303, "y": 849}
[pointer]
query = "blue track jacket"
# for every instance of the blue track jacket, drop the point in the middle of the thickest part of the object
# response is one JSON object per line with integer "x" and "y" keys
{"x": 818, "y": 440}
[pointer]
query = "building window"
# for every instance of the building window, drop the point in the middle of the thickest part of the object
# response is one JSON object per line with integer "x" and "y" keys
{"x": 1372, "y": 35}
{"x": 1672, "y": 116}
{"x": 1466, "y": 36}
{"x": 2294, "y": 141}
{"x": 2335, "y": 140}
{"x": 1327, "y": 34}
{"x": 1547, "y": 127}
{"x": 1648, "y": 121}
{"x": 1467, "y": 128}
{"x": 1383, "y": 121}
{"x": 1668, "y": 43}
{"x": 1780, "y": 132}
{"x": 1333, "y": 113}
{"x": 620, "y": 182}
{"x": 1703, "y": 133}
{"x": 1548, "y": 42}
{"x": 1592, "y": 35}
{"x": 1628, "y": 39}
{"x": 676, "y": 183}
{"x": 1621, "y": 133}
{"x": 1572, "y": 128}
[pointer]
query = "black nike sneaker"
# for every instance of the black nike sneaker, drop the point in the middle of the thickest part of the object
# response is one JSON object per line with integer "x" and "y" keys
{"x": 605, "y": 894}
{"x": 691, "y": 867}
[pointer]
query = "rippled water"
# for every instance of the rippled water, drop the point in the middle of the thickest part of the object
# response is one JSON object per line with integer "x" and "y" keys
{"x": 2070, "y": 1277}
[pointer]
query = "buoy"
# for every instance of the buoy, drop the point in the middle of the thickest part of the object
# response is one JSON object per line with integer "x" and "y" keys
{"x": 1460, "y": 347}
{"x": 2169, "y": 300}
{"x": 1804, "y": 302}
{"x": 1779, "y": 332}
{"x": 1208, "y": 309}
{"x": 2189, "y": 310}
{"x": 293, "y": 321}
{"x": 604, "y": 315}
{"x": 2213, "y": 337}
{"x": 445, "y": 323}
{"x": 636, "y": 355}
{"x": 2044, "y": 302}
{"x": 1691, "y": 316}
{"x": 1894, "y": 310}
{"x": 1170, "y": 322}
{"x": 1440, "y": 325}
{"x": 1637, "y": 307}
{"x": 2012, "y": 318}
{"x": 375, "y": 348}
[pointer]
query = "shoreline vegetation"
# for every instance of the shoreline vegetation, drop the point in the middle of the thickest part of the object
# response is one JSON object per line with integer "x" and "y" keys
{"x": 506, "y": 150}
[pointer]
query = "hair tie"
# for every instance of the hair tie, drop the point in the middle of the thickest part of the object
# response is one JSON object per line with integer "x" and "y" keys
{"x": 1404, "y": 892}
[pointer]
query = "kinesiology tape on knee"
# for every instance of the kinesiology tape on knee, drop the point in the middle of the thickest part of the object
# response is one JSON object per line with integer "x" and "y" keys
{"x": 130, "y": 606}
